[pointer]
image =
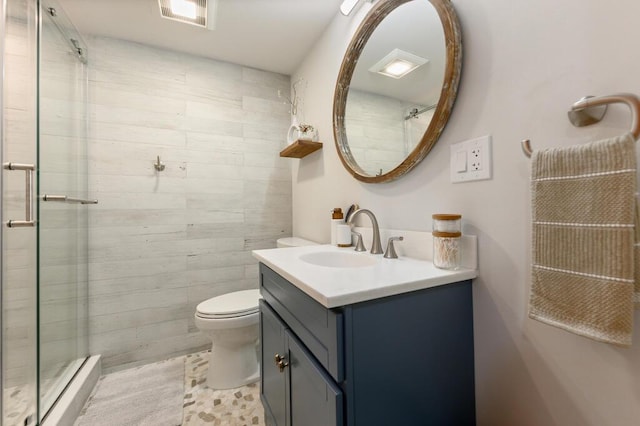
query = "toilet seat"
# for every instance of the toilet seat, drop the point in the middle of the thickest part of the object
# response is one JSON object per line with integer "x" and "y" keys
{"x": 230, "y": 305}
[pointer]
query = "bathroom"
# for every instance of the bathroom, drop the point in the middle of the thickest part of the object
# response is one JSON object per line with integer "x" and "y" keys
{"x": 158, "y": 245}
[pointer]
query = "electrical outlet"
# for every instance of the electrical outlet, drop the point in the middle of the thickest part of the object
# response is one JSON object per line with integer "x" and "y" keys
{"x": 471, "y": 160}
{"x": 476, "y": 159}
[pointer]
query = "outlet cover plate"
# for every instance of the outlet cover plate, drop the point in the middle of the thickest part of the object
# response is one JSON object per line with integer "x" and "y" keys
{"x": 471, "y": 160}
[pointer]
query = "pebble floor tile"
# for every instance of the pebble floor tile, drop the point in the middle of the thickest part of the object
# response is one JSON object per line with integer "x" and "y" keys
{"x": 230, "y": 407}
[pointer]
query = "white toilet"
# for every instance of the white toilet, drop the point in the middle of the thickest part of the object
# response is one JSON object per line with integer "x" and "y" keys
{"x": 231, "y": 322}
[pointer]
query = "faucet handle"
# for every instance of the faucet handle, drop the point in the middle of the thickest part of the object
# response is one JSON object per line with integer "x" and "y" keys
{"x": 359, "y": 244}
{"x": 390, "y": 253}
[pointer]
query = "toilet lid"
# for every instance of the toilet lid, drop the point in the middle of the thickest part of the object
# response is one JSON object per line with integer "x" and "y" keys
{"x": 235, "y": 304}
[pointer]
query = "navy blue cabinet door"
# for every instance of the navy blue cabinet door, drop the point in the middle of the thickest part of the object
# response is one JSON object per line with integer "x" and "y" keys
{"x": 314, "y": 397}
{"x": 273, "y": 381}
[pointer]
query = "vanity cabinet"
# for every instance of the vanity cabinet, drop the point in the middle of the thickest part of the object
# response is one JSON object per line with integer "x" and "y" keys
{"x": 295, "y": 389}
{"x": 404, "y": 360}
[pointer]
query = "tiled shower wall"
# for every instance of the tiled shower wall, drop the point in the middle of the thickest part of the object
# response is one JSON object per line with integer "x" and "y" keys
{"x": 19, "y": 244}
{"x": 379, "y": 135}
{"x": 161, "y": 242}
{"x": 62, "y": 227}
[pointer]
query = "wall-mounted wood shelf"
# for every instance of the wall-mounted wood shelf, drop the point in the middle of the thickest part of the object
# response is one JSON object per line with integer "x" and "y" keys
{"x": 300, "y": 148}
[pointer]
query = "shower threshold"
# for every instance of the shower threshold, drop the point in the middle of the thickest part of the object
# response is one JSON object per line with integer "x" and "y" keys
{"x": 67, "y": 408}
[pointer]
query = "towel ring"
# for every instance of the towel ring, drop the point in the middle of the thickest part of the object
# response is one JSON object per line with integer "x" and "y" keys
{"x": 630, "y": 99}
{"x": 526, "y": 147}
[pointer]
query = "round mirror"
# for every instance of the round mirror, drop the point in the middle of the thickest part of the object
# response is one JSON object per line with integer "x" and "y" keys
{"x": 396, "y": 87}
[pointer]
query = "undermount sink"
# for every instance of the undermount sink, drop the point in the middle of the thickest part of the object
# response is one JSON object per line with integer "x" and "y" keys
{"x": 339, "y": 259}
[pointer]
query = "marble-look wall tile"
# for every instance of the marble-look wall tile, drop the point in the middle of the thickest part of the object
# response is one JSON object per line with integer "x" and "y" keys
{"x": 379, "y": 135}
{"x": 160, "y": 243}
{"x": 19, "y": 264}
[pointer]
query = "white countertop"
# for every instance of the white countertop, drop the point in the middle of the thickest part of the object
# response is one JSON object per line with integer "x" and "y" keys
{"x": 333, "y": 286}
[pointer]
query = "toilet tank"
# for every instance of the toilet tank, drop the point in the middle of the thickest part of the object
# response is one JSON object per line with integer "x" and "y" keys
{"x": 294, "y": 242}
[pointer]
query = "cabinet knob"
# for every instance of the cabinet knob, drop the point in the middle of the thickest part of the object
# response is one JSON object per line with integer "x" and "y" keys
{"x": 280, "y": 362}
{"x": 282, "y": 365}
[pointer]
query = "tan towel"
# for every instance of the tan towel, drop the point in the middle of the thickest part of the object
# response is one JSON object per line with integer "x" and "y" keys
{"x": 636, "y": 253}
{"x": 584, "y": 212}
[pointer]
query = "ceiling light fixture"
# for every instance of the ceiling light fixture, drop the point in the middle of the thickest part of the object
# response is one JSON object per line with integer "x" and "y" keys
{"x": 398, "y": 63}
{"x": 347, "y": 6}
{"x": 183, "y": 8}
{"x": 196, "y": 12}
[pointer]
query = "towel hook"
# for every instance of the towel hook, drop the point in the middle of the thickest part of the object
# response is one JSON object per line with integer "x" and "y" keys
{"x": 158, "y": 164}
{"x": 584, "y": 113}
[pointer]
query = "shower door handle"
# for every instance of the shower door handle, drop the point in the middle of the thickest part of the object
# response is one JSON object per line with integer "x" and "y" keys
{"x": 65, "y": 199}
{"x": 28, "y": 202}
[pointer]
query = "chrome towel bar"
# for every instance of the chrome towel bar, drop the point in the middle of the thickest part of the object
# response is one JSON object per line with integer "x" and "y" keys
{"x": 589, "y": 115}
{"x": 65, "y": 199}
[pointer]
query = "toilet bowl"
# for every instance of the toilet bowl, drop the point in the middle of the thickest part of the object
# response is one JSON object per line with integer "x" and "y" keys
{"x": 231, "y": 322}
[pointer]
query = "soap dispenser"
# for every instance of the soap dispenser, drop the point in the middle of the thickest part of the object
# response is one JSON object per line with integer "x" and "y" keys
{"x": 336, "y": 218}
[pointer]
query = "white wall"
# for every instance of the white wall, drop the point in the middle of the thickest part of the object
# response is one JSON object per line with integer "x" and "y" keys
{"x": 160, "y": 243}
{"x": 524, "y": 64}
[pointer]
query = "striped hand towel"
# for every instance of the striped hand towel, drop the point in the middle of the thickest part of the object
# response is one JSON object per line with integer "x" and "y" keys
{"x": 584, "y": 215}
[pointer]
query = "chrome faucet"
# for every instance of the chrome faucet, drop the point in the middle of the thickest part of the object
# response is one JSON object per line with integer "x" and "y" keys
{"x": 376, "y": 247}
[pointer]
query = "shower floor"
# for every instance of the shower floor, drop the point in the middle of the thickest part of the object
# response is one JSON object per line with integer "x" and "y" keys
{"x": 187, "y": 399}
{"x": 19, "y": 402}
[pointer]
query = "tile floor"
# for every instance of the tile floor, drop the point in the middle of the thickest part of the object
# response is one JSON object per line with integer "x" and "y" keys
{"x": 18, "y": 399}
{"x": 17, "y": 404}
{"x": 201, "y": 405}
{"x": 204, "y": 406}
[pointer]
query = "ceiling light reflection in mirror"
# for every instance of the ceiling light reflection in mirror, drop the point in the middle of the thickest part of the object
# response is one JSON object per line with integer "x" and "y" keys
{"x": 398, "y": 63}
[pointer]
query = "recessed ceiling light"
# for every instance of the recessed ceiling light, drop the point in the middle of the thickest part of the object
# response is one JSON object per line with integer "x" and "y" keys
{"x": 183, "y": 8}
{"x": 398, "y": 63}
{"x": 195, "y": 12}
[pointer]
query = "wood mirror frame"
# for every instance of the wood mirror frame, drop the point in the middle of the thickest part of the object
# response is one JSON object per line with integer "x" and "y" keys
{"x": 453, "y": 67}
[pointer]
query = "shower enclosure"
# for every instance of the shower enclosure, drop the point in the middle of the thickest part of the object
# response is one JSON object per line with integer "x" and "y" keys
{"x": 44, "y": 207}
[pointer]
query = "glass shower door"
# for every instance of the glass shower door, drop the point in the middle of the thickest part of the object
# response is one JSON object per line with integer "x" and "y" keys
{"x": 44, "y": 252}
{"x": 18, "y": 20}
{"x": 62, "y": 186}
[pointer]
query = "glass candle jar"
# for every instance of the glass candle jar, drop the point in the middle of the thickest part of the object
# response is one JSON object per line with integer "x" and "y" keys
{"x": 446, "y": 240}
